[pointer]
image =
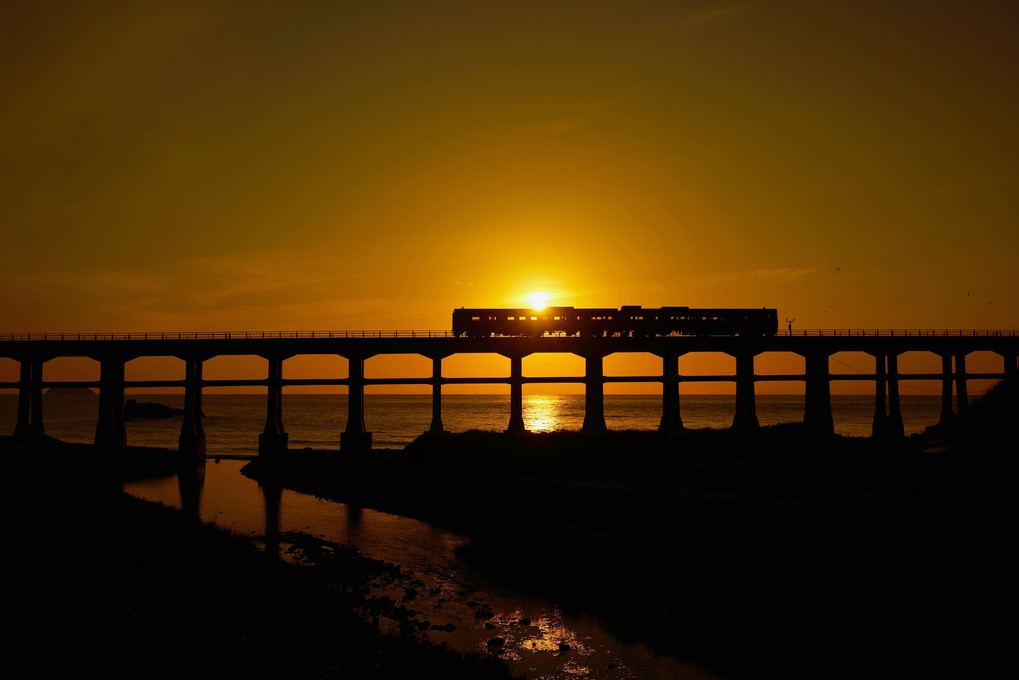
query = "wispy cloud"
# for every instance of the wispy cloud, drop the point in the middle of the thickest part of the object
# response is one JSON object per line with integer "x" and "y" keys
{"x": 779, "y": 274}
{"x": 716, "y": 12}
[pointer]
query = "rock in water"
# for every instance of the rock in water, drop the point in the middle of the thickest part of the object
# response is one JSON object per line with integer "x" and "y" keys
{"x": 135, "y": 410}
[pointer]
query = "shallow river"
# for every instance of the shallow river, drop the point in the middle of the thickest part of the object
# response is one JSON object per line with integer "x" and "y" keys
{"x": 537, "y": 639}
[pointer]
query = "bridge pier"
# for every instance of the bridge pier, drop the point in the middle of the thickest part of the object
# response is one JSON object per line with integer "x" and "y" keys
{"x": 355, "y": 437}
{"x": 110, "y": 430}
{"x": 880, "y": 425}
{"x": 961, "y": 399}
{"x": 817, "y": 412}
{"x": 191, "y": 441}
{"x": 436, "y": 426}
{"x": 30, "y": 423}
{"x": 516, "y": 421}
{"x": 895, "y": 428}
{"x": 746, "y": 407}
{"x": 1011, "y": 369}
{"x": 671, "y": 419}
{"x": 594, "y": 394}
{"x": 946, "y": 390}
{"x": 274, "y": 437}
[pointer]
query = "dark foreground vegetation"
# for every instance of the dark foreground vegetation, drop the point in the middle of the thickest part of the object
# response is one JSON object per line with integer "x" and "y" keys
{"x": 776, "y": 551}
{"x": 98, "y": 584}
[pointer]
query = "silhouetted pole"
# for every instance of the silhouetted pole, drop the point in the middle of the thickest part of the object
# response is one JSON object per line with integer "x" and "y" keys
{"x": 436, "y": 426}
{"x": 671, "y": 420}
{"x": 110, "y": 430}
{"x": 192, "y": 430}
{"x": 880, "y": 425}
{"x": 516, "y": 421}
{"x": 946, "y": 390}
{"x": 817, "y": 413}
{"x": 962, "y": 400}
{"x": 594, "y": 400}
{"x": 355, "y": 437}
{"x": 746, "y": 408}
{"x": 274, "y": 437}
{"x": 895, "y": 427}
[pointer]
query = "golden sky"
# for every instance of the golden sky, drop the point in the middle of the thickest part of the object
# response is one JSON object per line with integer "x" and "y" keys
{"x": 233, "y": 165}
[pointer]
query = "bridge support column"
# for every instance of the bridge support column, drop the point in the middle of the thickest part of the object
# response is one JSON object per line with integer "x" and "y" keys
{"x": 671, "y": 420}
{"x": 110, "y": 430}
{"x": 817, "y": 413}
{"x": 274, "y": 438}
{"x": 355, "y": 437}
{"x": 26, "y": 401}
{"x": 895, "y": 427}
{"x": 1011, "y": 367}
{"x": 436, "y": 427}
{"x": 594, "y": 390}
{"x": 36, "y": 427}
{"x": 192, "y": 430}
{"x": 1011, "y": 370}
{"x": 516, "y": 421}
{"x": 880, "y": 425}
{"x": 961, "y": 398}
{"x": 946, "y": 390}
{"x": 746, "y": 407}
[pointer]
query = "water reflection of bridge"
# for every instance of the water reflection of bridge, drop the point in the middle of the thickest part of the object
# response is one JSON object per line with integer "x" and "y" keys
{"x": 113, "y": 351}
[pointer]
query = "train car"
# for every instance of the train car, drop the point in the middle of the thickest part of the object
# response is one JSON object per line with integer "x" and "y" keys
{"x": 627, "y": 321}
{"x": 649, "y": 322}
{"x": 725, "y": 321}
{"x": 483, "y": 323}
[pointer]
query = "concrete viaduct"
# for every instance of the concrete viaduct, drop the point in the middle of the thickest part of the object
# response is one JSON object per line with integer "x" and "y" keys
{"x": 112, "y": 351}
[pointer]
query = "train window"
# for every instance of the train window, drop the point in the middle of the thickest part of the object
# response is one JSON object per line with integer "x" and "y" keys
{"x": 475, "y": 318}
{"x": 534, "y": 318}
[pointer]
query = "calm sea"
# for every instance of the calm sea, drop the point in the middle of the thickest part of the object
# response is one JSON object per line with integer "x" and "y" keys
{"x": 233, "y": 422}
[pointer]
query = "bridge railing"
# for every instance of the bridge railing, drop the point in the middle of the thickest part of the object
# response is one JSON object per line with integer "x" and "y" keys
{"x": 270, "y": 335}
{"x": 899, "y": 332}
{"x": 226, "y": 335}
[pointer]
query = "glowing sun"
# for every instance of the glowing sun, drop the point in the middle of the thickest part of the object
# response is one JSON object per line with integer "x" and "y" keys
{"x": 538, "y": 301}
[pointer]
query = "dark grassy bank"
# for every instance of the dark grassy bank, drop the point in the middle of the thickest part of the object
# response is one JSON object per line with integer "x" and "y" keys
{"x": 772, "y": 551}
{"x": 99, "y": 584}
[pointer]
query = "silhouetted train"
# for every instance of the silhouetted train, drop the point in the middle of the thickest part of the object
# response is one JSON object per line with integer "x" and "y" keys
{"x": 627, "y": 321}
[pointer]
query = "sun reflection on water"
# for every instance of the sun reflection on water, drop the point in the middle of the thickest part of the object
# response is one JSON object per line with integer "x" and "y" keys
{"x": 544, "y": 412}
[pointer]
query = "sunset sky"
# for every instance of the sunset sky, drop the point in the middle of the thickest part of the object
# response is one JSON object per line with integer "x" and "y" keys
{"x": 244, "y": 165}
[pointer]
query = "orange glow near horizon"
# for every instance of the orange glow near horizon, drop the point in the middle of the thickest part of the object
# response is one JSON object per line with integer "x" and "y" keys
{"x": 417, "y": 159}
